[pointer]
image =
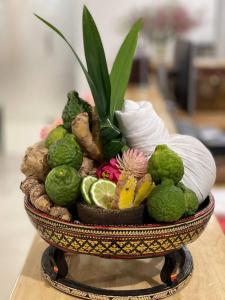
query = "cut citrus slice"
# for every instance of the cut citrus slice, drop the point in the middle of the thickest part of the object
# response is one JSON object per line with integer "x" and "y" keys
{"x": 85, "y": 188}
{"x": 102, "y": 193}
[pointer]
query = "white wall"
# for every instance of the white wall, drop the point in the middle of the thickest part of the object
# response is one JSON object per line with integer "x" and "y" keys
{"x": 36, "y": 69}
{"x": 205, "y": 11}
{"x": 220, "y": 33}
{"x": 34, "y": 61}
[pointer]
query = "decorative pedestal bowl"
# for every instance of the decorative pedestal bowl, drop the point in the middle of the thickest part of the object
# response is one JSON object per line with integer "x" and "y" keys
{"x": 123, "y": 242}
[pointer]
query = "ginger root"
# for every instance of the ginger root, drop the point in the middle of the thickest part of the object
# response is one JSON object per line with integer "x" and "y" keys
{"x": 86, "y": 167}
{"x": 95, "y": 126}
{"x": 80, "y": 128}
{"x": 61, "y": 213}
{"x": 36, "y": 191}
{"x": 28, "y": 183}
{"x": 35, "y": 161}
{"x": 43, "y": 203}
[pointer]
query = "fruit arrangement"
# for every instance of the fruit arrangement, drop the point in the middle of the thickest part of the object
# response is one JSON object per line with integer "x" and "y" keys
{"x": 116, "y": 155}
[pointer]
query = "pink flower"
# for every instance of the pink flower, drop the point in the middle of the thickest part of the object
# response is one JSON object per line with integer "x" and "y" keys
{"x": 109, "y": 171}
{"x": 87, "y": 96}
{"x": 45, "y": 130}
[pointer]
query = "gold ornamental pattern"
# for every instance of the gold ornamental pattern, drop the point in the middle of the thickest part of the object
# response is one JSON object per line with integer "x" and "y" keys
{"x": 90, "y": 296}
{"x": 120, "y": 242}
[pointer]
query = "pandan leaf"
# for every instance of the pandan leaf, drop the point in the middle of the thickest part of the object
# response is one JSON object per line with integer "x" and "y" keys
{"x": 90, "y": 82}
{"x": 96, "y": 64}
{"x": 112, "y": 148}
{"x": 121, "y": 69}
{"x": 108, "y": 131}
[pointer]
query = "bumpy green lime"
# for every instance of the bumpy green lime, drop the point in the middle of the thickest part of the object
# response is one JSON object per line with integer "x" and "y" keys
{"x": 55, "y": 135}
{"x": 166, "y": 202}
{"x": 74, "y": 106}
{"x": 63, "y": 185}
{"x": 165, "y": 164}
{"x": 191, "y": 200}
{"x": 65, "y": 151}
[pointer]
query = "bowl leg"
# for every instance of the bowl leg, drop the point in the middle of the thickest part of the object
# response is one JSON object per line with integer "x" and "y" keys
{"x": 54, "y": 263}
{"x": 173, "y": 261}
{"x": 175, "y": 273}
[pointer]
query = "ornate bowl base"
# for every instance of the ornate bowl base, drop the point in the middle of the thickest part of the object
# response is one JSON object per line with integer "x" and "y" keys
{"x": 175, "y": 273}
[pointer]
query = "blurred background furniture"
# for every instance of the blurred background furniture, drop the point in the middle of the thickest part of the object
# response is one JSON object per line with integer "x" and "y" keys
{"x": 210, "y": 86}
{"x": 184, "y": 73}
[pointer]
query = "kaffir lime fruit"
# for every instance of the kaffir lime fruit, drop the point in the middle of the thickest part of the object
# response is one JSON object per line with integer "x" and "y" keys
{"x": 65, "y": 151}
{"x": 63, "y": 185}
{"x": 166, "y": 202}
{"x": 55, "y": 135}
{"x": 165, "y": 164}
{"x": 191, "y": 200}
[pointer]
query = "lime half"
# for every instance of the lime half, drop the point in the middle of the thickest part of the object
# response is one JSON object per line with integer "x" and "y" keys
{"x": 85, "y": 187}
{"x": 102, "y": 193}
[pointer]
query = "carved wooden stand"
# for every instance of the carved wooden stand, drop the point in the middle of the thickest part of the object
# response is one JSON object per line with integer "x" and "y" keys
{"x": 175, "y": 273}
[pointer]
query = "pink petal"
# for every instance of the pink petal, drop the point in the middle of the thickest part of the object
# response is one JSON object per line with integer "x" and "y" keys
{"x": 44, "y": 133}
{"x": 113, "y": 162}
{"x": 99, "y": 172}
{"x": 46, "y": 129}
{"x": 87, "y": 96}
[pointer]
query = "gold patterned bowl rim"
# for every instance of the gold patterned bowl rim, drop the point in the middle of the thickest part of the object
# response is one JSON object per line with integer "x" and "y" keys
{"x": 207, "y": 210}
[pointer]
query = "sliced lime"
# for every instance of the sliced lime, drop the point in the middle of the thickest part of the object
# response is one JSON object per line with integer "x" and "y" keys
{"x": 85, "y": 187}
{"x": 102, "y": 193}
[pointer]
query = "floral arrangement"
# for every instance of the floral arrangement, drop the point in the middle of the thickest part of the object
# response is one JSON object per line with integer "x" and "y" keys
{"x": 166, "y": 21}
{"x": 163, "y": 23}
{"x": 117, "y": 155}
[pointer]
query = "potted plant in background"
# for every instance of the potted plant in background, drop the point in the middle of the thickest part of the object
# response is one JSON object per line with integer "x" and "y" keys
{"x": 162, "y": 24}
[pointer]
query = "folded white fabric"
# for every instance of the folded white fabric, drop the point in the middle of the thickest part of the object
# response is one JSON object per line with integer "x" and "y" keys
{"x": 141, "y": 126}
{"x": 199, "y": 164}
{"x": 144, "y": 130}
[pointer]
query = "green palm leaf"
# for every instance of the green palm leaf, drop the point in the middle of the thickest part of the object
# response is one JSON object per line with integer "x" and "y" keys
{"x": 121, "y": 69}
{"x": 96, "y": 64}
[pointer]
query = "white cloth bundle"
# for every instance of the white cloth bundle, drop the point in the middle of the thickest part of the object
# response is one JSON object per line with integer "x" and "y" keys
{"x": 141, "y": 126}
{"x": 144, "y": 130}
{"x": 199, "y": 164}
